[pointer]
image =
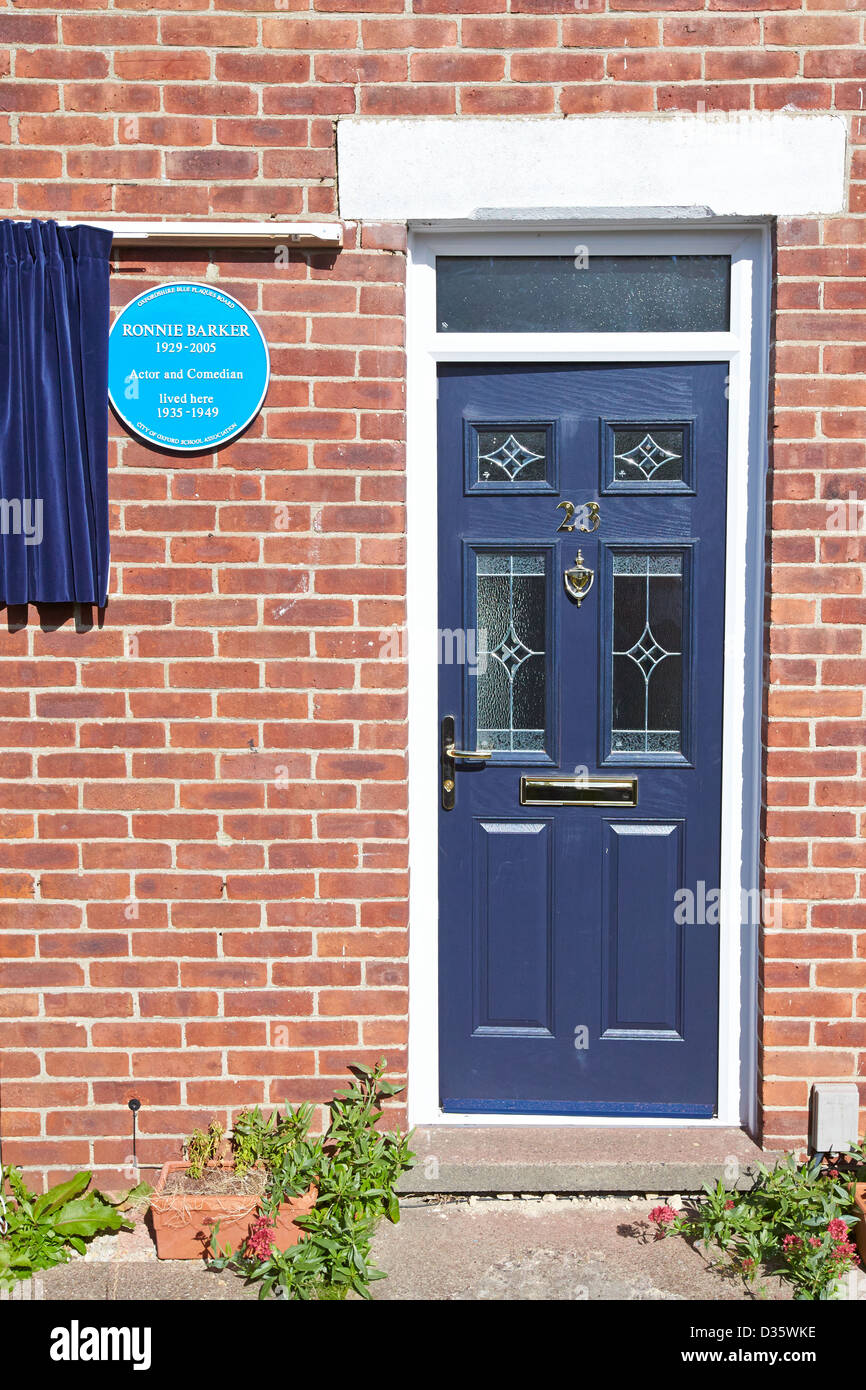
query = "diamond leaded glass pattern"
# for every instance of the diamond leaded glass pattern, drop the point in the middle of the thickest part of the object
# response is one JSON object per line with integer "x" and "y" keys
{"x": 511, "y": 456}
{"x": 647, "y": 653}
{"x": 510, "y": 684}
{"x": 648, "y": 454}
{"x": 512, "y": 653}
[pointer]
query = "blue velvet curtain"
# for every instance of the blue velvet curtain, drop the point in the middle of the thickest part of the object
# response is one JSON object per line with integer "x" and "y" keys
{"x": 53, "y": 413}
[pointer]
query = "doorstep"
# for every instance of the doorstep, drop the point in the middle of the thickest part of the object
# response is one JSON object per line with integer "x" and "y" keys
{"x": 559, "y": 1158}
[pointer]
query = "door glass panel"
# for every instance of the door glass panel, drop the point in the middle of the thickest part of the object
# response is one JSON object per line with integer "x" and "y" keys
{"x": 644, "y": 455}
{"x": 506, "y": 456}
{"x": 511, "y": 615}
{"x": 647, "y": 678}
{"x": 582, "y": 294}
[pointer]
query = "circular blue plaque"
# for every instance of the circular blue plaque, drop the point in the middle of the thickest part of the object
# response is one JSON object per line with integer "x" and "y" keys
{"x": 188, "y": 367}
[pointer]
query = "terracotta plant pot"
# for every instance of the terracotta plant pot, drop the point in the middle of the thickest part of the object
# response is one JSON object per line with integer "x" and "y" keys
{"x": 860, "y": 1228}
{"x": 183, "y": 1221}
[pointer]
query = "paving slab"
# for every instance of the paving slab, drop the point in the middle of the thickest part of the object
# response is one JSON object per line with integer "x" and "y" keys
{"x": 577, "y": 1159}
{"x": 452, "y": 1249}
{"x": 125, "y": 1281}
{"x": 573, "y": 1249}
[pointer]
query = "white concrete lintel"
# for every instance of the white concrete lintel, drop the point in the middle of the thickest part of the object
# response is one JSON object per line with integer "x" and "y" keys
{"x": 741, "y": 164}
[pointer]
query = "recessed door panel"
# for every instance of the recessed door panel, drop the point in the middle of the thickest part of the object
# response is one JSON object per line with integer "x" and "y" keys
{"x": 514, "y": 926}
{"x": 643, "y": 956}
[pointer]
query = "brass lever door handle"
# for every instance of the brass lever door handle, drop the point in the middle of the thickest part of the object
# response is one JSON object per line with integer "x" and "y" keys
{"x": 450, "y": 755}
{"x": 463, "y": 753}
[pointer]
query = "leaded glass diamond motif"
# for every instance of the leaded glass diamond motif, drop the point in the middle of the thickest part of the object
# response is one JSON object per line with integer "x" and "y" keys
{"x": 647, "y": 653}
{"x": 512, "y": 652}
{"x": 647, "y": 457}
{"x": 510, "y": 699}
{"x": 511, "y": 456}
{"x": 645, "y": 454}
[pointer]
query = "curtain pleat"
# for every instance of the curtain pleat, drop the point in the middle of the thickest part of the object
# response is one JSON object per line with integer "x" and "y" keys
{"x": 54, "y": 545}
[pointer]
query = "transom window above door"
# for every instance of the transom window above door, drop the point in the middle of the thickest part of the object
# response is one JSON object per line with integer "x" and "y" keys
{"x": 583, "y": 293}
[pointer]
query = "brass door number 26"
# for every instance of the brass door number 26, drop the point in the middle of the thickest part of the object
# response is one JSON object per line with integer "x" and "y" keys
{"x": 586, "y": 517}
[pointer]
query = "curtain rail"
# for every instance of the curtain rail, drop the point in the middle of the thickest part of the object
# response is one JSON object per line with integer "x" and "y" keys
{"x": 324, "y": 235}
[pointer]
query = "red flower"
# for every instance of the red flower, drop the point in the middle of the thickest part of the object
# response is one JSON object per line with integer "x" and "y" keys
{"x": 661, "y": 1217}
{"x": 844, "y": 1250}
{"x": 792, "y": 1243}
{"x": 730, "y": 1204}
{"x": 260, "y": 1240}
{"x": 838, "y": 1229}
{"x": 814, "y": 1241}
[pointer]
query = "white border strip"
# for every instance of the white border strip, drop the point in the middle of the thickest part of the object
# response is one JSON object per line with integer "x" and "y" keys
{"x": 749, "y": 250}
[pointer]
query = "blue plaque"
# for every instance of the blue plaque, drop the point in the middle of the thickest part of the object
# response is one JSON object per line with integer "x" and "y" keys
{"x": 188, "y": 367}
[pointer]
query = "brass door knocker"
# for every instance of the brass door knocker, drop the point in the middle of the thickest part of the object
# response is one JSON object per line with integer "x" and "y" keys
{"x": 578, "y": 580}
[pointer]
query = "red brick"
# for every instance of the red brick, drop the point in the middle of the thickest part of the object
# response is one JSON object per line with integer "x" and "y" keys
{"x": 804, "y": 95}
{"x": 360, "y": 67}
{"x": 211, "y": 164}
{"x": 811, "y": 30}
{"x": 60, "y": 63}
{"x": 706, "y": 31}
{"x": 654, "y": 67}
{"x": 415, "y": 101}
{"x": 308, "y": 35}
{"x": 160, "y": 65}
{"x": 588, "y": 31}
{"x": 457, "y": 67}
{"x": 128, "y": 98}
{"x": 208, "y": 31}
{"x": 609, "y": 97}
{"x": 517, "y": 33}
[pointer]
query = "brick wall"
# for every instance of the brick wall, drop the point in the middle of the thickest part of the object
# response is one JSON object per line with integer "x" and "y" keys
{"x": 204, "y": 799}
{"x": 814, "y": 965}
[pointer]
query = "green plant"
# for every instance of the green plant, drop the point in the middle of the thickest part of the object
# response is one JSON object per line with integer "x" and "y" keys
{"x": 43, "y": 1231}
{"x": 257, "y": 1141}
{"x": 203, "y": 1147}
{"x": 795, "y": 1221}
{"x": 354, "y": 1168}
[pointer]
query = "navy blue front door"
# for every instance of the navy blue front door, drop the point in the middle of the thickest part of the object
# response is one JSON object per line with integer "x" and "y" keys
{"x": 579, "y": 943}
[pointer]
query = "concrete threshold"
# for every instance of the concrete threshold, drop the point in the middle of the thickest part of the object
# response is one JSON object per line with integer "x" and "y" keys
{"x": 566, "y": 1159}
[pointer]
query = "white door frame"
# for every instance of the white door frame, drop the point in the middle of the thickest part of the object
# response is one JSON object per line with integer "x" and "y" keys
{"x": 745, "y": 347}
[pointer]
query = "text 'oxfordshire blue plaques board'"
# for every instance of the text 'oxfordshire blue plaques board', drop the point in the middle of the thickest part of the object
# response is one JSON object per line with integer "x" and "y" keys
{"x": 188, "y": 367}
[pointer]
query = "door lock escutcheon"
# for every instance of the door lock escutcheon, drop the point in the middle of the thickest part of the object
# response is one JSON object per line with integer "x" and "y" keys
{"x": 450, "y": 756}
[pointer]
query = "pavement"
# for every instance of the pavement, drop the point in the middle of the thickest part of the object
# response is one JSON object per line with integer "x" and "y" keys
{"x": 454, "y": 1248}
{"x": 548, "y": 1248}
